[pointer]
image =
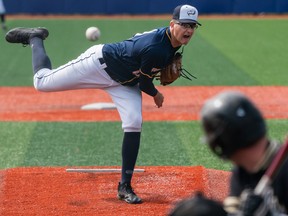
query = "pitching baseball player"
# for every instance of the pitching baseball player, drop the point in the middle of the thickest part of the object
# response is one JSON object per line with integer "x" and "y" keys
{"x": 123, "y": 69}
{"x": 235, "y": 130}
{"x": 2, "y": 15}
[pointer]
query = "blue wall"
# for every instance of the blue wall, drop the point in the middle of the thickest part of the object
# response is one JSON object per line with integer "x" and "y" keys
{"x": 142, "y": 6}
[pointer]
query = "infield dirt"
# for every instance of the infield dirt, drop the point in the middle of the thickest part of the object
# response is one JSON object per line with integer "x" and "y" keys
{"x": 53, "y": 191}
{"x": 181, "y": 103}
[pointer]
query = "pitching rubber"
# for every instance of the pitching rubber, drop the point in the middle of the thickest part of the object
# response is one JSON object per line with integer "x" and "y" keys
{"x": 99, "y": 170}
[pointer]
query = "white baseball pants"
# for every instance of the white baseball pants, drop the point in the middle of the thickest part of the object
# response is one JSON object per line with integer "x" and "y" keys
{"x": 87, "y": 72}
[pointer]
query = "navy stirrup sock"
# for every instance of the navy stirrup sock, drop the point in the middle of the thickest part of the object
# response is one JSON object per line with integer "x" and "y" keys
{"x": 130, "y": 147}
{"x": 39, "y": 57}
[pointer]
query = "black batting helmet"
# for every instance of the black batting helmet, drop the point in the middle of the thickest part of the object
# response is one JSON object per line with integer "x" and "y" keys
{"x": 198, "y": 205}
{"x": 231, "y": 122}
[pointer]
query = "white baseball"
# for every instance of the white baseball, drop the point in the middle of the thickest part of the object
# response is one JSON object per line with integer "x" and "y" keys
{"x": 92, "y": 33}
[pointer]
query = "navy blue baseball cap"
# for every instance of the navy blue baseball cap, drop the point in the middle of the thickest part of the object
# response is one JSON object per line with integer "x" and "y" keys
{"x": 186, "y": 14}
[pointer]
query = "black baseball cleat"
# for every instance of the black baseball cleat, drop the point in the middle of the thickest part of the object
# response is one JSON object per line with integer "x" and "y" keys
{"x": 126, "y": 193}
{"x": 23, "y": 35}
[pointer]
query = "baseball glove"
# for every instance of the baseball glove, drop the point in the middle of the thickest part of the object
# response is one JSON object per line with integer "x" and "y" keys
{"x": 173, "y": 71}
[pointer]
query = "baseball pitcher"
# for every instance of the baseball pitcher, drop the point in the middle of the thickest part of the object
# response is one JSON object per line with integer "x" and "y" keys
{"x": 124, "y": 70}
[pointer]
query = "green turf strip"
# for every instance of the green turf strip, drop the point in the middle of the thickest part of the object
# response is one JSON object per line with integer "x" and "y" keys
{"x": 81, "y": 144}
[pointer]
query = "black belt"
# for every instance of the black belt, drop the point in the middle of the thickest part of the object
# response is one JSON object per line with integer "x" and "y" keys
{"x": 102, "y": 61}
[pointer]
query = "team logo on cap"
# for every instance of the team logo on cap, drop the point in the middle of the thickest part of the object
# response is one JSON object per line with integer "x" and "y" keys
{"x": 191, "y": 12}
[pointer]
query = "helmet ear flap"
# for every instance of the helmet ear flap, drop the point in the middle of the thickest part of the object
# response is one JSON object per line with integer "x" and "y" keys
{"x": 214, "y": 128}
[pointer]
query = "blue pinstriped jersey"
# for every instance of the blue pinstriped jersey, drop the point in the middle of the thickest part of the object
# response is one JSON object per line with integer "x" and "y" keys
{"x": 144, "y": 51}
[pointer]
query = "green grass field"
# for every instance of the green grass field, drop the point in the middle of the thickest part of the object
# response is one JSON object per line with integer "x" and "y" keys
{"x": 222, "y": 52}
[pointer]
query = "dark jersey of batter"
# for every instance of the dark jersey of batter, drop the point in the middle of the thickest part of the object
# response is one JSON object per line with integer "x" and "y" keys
{"x": 241, "y": 180}
{"x": 145, "y": 51}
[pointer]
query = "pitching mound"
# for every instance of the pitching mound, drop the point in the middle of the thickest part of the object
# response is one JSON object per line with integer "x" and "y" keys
{"x": 53, "y": 191}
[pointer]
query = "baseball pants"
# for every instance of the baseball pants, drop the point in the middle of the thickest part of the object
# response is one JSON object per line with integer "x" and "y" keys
{"x": 87, "y": 72}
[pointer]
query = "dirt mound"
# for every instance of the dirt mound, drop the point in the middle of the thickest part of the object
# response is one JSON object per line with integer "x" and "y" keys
{"x": 53, "y": 191}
